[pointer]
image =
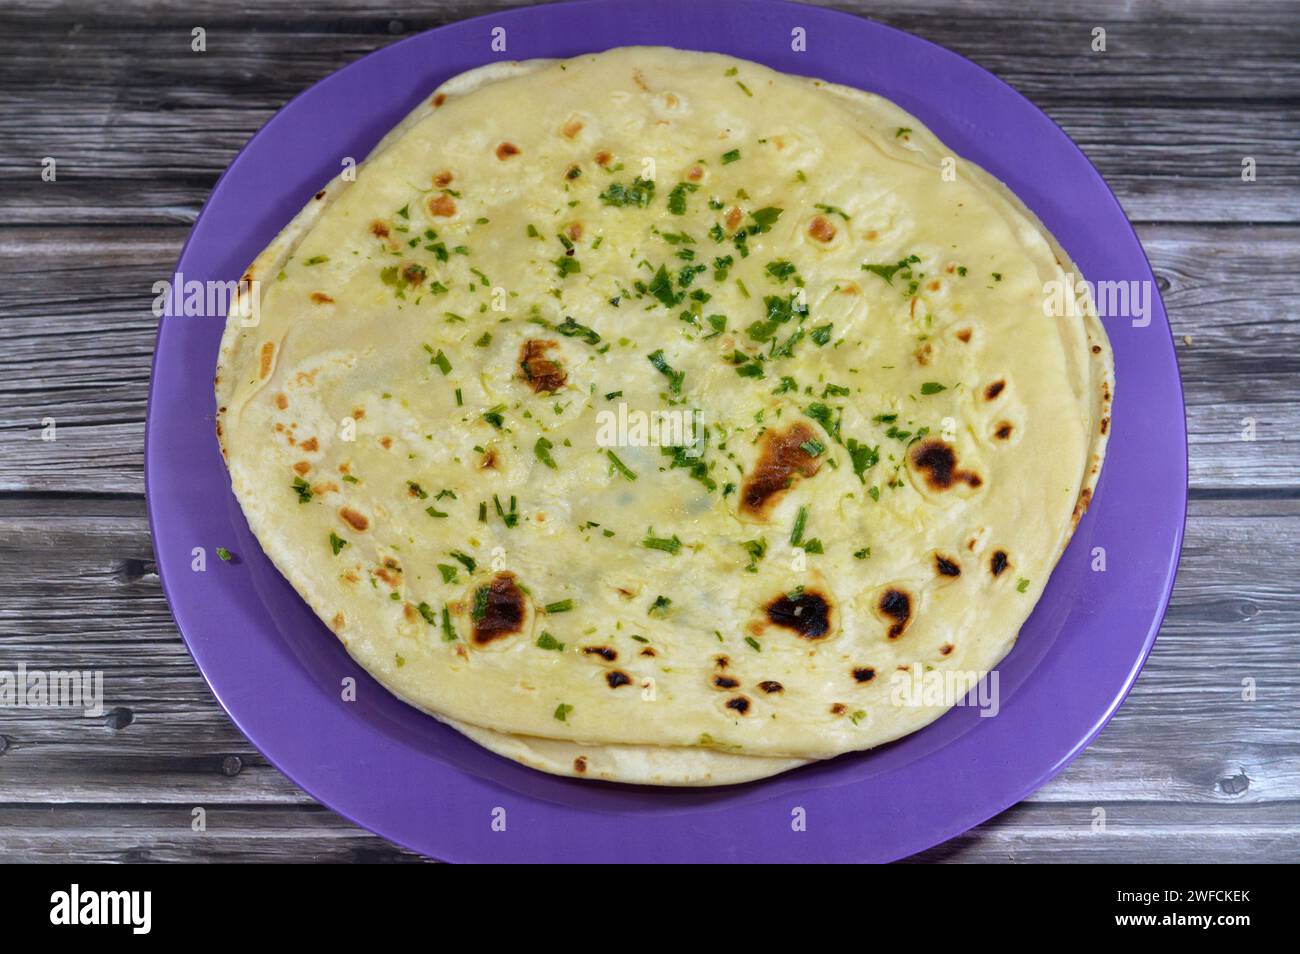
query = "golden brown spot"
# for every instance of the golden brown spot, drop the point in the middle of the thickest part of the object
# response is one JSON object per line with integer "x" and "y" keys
{"x": 849, "y": 288}
{"x": 302, "y": 467}
{"x": 639, "y": 78}
{"x": 863, "y": 674}
{"x": 338, "y": 621}
{"x": 393, "y": 577}
{"x": 281, "y": 401}
{"x": 575, "y": 231}
{"x": 781, "y": 460}
{"x": 770, "y": 686}
{"x": 821, "y": 229}
{"x": 871, "y": 236}
{"x": 311, "y": 445}
{"x": 733, "y": 218}
{"x": 506, "y": 150}
{"x": 498, "y": 609}
{"x": 438, "y": 99}
{"x": 649, "y": 651}
{"x": 896, "y": 605}
{"x": 725, "y": 682}
{"x": 268, "y": 355}
{"x": 489, "y": 459}
{"x": 806, "y": 612}
{"x": 602, "y": 158}
{"x": 994, "y": 389}
{"x": 580, "y": 764}
{"x": 963, "y": 335}
{"x": 937, "y": 461}
{"x": 946, "y": 566}
{"x": 355, "y": 519}
{"x": 946, "y": 649}
{"x": 358, "y": 413}
{"x": 606, "y": 653}
{"x": 934, "y": 285}
{"x": 542, "y": 373}
{"x": 572, "y": 128}
{"x": 379, "y": 229}
{"x": 1003, "y": 431}
{"x": 616, "y": 677}
{"x": 320, "y": 298}
{"x": 1081, "y": 507}
{"x": 443, "y": 179}
{"x": 409, "y": 612}
{"x": 442, "y": 205}
{"x": 838, "y": 708}
{"x": 351, "y": 576}
{"x": 922, "y": 354}
{"x": 694, "y": 173}
{"x": 738, "y": 704}
{"x": 385, "y": 442}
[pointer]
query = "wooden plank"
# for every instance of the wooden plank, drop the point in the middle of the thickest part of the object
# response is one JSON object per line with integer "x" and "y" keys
{"x": 89, "y": 290}
{"x": 84, "y": 569}
{"x": 1028, "y": 833}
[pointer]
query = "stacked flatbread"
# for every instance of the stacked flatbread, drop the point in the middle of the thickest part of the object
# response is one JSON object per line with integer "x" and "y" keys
{"x": 436, "y": 418}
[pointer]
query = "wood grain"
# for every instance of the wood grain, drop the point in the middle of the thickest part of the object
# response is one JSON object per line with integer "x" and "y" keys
{"x": 142, "y": 128}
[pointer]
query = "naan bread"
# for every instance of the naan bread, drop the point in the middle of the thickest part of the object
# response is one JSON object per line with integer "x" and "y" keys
{"x": 425, "y": 332}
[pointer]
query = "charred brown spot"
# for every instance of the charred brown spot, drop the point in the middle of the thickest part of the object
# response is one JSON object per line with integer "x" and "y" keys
{"x": 807, "y": 613}
{"x": 725, "y": 682}
{"x": 544, "y": 374}
{"x": 649, "y": 651}
{"x": 616, "y": 678}
{"x": 1081, "y": 506}
{"x": 1003, "y": 432}
{"x": 506, "y": 150}
{"x": 945, "y": 566}
{"x": 320, "y": 195}
{"x": 1096, "y": 349}
{"x": 1105, "y": 424}
{"x": 439, "y": 99}
{"x": 838, "y": 708}
{"x": 721, "y": 662}
{"x": 498, "y": 609}
{"x": 963, "y": 335}
{"x": 770, "y": 686}
{"x": 580, "y": 764}
{"x": 998, "y": 562}
{"x": 357, "y": 521}
{"x": 781, "y": 460}
{"x": 897, "y": 605}
{"x": 604, "y": 652}
{"x": 821, "y": 229}
{"x": 994, "y": 389}
{"x": 443, "y": 179}
{"x": 738, "y": 704}
{"x": 937, "y": 461}
{"x": 442, "y": 205}
{"x": 946, "y": 649}
{"x": 863, "y": 674}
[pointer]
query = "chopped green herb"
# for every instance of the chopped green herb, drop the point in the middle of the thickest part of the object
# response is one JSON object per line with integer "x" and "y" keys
{"x": 547, "y": 641}
{"x": 542, "y": 450}
{"x": 563, "y": 606}
{"x": 621, "y": 467}
{"x": 337, "y": 543}
{"x": 227, "y": 556}
{"x": 562, "y": 711}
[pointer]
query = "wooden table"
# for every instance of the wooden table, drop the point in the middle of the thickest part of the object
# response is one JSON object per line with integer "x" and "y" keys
{"x": 141, "y": 127}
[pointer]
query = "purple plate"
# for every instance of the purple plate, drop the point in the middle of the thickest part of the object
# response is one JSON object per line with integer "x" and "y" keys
{"x": 277, "y": 670}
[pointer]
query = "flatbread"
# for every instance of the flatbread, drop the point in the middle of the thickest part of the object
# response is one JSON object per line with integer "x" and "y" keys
{"x": 832, "y": 161}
